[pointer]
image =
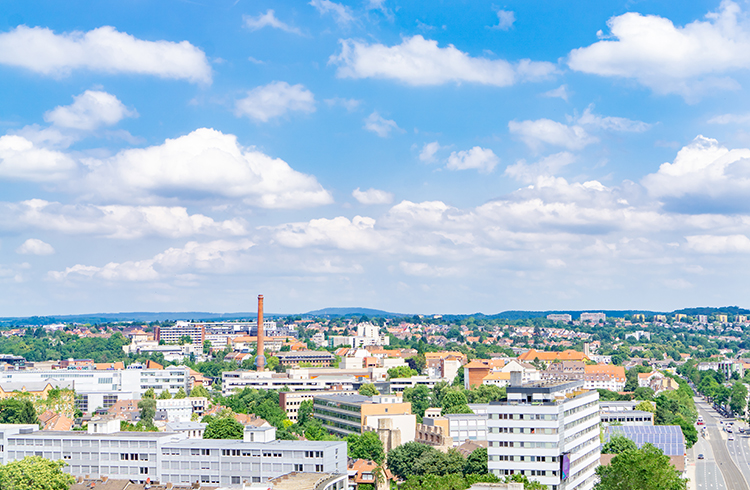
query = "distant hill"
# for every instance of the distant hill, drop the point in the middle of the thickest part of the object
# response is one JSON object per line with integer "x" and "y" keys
{"x": 333, "y": 312}
{"x": 131, "y": 316}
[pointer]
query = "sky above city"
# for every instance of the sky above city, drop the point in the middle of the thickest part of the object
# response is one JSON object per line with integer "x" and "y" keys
{"x": 416, "y": 157}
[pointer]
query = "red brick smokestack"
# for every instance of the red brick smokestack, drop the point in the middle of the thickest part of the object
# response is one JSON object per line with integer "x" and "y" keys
{"x": 260, "y": 358}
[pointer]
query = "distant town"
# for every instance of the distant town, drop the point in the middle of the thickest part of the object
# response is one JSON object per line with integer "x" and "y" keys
{"x": 369, "y": 402}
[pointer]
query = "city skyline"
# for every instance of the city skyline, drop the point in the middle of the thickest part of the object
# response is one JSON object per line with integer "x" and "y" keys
{"x": 473, "y": 157}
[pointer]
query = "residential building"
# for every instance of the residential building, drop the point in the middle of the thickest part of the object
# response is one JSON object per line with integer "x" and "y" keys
{"x": 170, "y": 457}
{"x": 726, "y": 367}
{"x": 547, "y": 431}
{"x": 458, "y": 427}
{"x": 548, "y": 356}
{"x": 627, "y": 417}
{"x": 557, "y": 317}
{"x": 289, "y": 401}
{"x": 657, "y": 381}
{"x": 313, "y": 358}
{"x": 638, "y": 335}
{"x": 593, "y": 317}
{"x": 353, "y": 414}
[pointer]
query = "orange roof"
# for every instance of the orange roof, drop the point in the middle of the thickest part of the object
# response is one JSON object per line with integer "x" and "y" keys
{"x": 498, "y": 375}
{"x": 110, "y": 365}
{"x": 566, "y": 355}
{"x": 616, "y": 371}
{"x": 153, "y": 365}
{"x": 486, "y": 363}
{"x": 441, "y": 355}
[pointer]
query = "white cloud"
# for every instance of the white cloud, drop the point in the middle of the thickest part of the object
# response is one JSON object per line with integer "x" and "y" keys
{"x": 588, "y": 118}
{"x": 204, "y": 163}
{"x": 423, "y": 269}
{"x": 547, "y": 166}
{"x": 372, "y": 196}
{"x": 560, "y": 92}
{"x": 350, "y": 105}
{"x": 544, "y": 131}
{"x": 341, "y": 13}
{"x": 101, "y": 50}
{"x": 89, "y": 111}
{"x": 379, "y": 125}
{"x": 709, "y": 244}
{"x": 687, "y": 60}
{"x": 505, "y": 20}
{"x": 114, "y": 221}
{"x": 275, "y": 100}
{"x": 428, "y": 152}
{"x": 730, "y": 119}
{"x": 34, "y": 246}
{"x": 220, "y": 256}
{"x": 482, "y": 159}
{"x": 21, "y": 159}
{"x": 340, "y": 232}
{"x": 418, "y": 61}
{"x": 704, "y": 176}
{"x": 268, "y": 20}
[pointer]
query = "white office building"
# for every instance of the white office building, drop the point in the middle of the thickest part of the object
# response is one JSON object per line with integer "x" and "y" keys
{"x": 170, "y": 457}
{"x": 548, "y": 432}
{"x": 103, "y": 388}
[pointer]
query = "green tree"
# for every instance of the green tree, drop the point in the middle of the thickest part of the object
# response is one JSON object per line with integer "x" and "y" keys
{"x": 476, "y": 463}
{"x": 401, "y": 459}
{"x": 738, "y": 398}
{"x": 305, "y": 412}
{"x": 35, "y": 473}
{"x": 401, "y": 372}
{"x": 13, "y": 411}
{"x": 200, "y": 390}
{"x": 180, "y": 394}
{"x": 646, "y": 406}
{"x": 148, "y": 410}
{"x": 165, "y": 395}
{"x": 366, "y": 446}
{"x": 455, "y": 401}
{"x": 618, "y": 444}
{"x": 149, "y": 393}
{"x": 527, "y": 484}
{"x": 368, "y": 389}
{"x": 419, "y": 397}
{"x": 207, "y": 347}
{"x": 224, "y": 428}
{"x": 185, "y": 339}
{"x": 647, "y": 468}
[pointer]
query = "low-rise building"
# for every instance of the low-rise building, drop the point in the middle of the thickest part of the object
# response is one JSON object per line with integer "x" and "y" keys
{"x": 313, "y": 358}
{"x": 353, "y": 414}
{"x": 290, "y": 401}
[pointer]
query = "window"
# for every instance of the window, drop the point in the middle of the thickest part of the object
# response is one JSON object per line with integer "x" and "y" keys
{"x": 298, "y": 467}
{"x": 144, "y": 470}
{"x": 235, "y": 480}
{"x": 318, "y": 468}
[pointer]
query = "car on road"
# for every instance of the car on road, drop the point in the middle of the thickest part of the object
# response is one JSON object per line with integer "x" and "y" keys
{"x": 731, "y": 437}
{"x": 700, "y": 456}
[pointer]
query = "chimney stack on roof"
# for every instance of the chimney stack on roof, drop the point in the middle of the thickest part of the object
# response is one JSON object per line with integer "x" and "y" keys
{"x": 260, "y": 358}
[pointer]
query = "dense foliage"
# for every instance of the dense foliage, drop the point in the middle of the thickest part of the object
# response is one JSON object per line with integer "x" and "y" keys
{"x": 14, "y": 411}
{"x": 224, "y": 428}
{"x": 35, "y": 473}
{"x": 647, "y": 468}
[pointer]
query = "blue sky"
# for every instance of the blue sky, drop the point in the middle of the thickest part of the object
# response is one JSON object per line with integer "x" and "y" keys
{"x": 447, "y": 157}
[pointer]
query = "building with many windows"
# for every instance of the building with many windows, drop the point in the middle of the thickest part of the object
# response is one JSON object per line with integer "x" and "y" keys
{"x": 548, "y": 432}
{"x": 170, "y": 457}
{"x": 353, "y": 414}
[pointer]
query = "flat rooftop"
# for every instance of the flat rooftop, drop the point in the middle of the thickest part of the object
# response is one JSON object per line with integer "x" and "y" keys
{"x": 352, "y": 399}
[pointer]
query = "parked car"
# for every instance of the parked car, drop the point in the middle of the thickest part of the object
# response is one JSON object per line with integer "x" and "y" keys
{"x": 700, "y": 456}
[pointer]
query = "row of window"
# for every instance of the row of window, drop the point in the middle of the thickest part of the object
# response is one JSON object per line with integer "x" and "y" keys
{"x": 532, "y": 459}
{"x": 523, "y": 416}
{"x": 521, "y": 430}
{"x": 533, "y": 444}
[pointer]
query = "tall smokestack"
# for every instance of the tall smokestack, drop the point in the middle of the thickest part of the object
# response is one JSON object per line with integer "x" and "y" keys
{"x": 260, "y": 358}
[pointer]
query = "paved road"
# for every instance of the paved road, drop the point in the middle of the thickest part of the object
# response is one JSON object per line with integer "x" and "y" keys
{"x": 733, "y": 477}
{"x": 707, "y": 474}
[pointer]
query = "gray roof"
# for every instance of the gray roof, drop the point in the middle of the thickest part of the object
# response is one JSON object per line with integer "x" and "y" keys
{"x": 180, "y": 426}
{"x": 668, "y": 438}
{"x": 240, "y": 444}
{"x": 352, "y": 399}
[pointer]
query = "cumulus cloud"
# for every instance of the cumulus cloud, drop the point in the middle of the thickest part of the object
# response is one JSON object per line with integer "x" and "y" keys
{"x": 341, "y": 13}
{"x": 379, "y": 125}
{"x": 505, "y": 20}
{"x": 687, "y": 60}
{"x": 547, "y": 166}
{"x": 275, "y": 100}
{"x": 705, "y": 176}
{"x": 268, "y": 20}
{"x": 34, "y": 246}
{"x": 219, "y": 256}
{"x": 203, "y": 164}
{"x": 21, "y": 159}
{"x": 419, "y": 61}
{"x": 545, "y": 131}
{"x": 355, "y": 234}
{"x": 560, "y": 92}
{"x": 428, "y": 152}
{"x": 89, "y": 111}
{"x": 482, "y": 159}
{"x": 114, "y": 221}
{"x": 101, "y": 50}
{"x": 709, "y": 244}
{"x": 372, "y": 196}
{"x": 588, "y": 118}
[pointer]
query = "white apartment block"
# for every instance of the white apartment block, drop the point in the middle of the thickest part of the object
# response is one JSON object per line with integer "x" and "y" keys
{"x": 171, "y": 457}
{"x": 593, "y": 317}
{"x": 267, "y": 380}
{"x": 544, "y": 429}
{"x": 103, "y": 388}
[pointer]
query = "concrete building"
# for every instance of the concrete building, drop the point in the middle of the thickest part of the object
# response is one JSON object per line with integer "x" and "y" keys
{"x": 313, "y": 358}
{"x": 353, "y": 414}
{"x": 560, "y": 318}
{"x": 289, "y": 401}
{"x": 452, "y": 430}
{"x": 593, "y": 317}
{"x": 627, "y": 417}
{"x": 170, "y": 457}
{"x": 292, "y": 380}
{"x": 548, "y": 432}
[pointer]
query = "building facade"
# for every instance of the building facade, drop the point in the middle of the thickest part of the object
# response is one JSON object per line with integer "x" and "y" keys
{"x": 548, "y": 432}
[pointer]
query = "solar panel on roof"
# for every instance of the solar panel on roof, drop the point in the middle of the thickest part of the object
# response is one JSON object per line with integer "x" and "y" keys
{"x": 668, "y": 438}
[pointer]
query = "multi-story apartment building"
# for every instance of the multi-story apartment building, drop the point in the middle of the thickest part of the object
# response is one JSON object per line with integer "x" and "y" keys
{"x": 290, "y": 401}
{"x": 313, "y": 358}
{"x": 559, "y": 317}
{"x": 548, "y": 432}
{"x": 593, "y": 317}
{"x": 217, "y": 333}
{"x": 170, "y": 457}
{"x": 103, "y": 388}
{"x": 353, "y": 414}
{"x": 268, "y": 380}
